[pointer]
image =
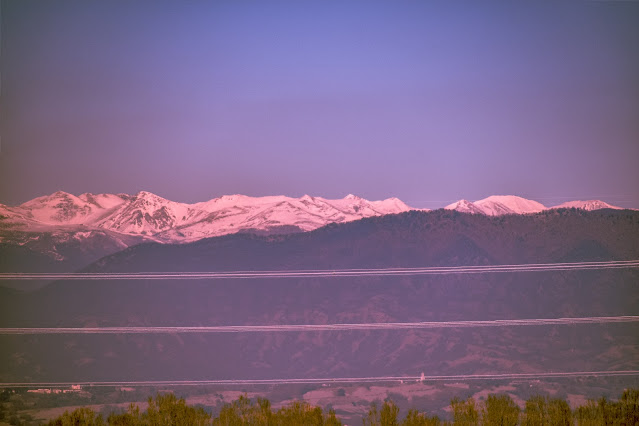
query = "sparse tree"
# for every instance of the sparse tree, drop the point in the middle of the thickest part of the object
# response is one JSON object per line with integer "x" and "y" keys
{"x": 388, "y": 414}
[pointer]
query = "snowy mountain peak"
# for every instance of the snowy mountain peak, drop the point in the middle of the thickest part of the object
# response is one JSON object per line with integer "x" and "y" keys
{"x": 149, "y": 196}
{"x": 61, "y": 194}
{"x": 391, "y": 205}
{"x": 496, "y": 205}
{"x": 147, "y": 214}
{"x": 508, "y": 204}
{"x": 150, "y": 215}
{"x": 586, "y": 205}
{"x": 464, "y": 206}
{"x": 61, "y": 208}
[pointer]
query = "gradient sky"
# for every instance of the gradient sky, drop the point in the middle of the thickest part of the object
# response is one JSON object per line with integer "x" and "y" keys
{"x": 426, "y": 101}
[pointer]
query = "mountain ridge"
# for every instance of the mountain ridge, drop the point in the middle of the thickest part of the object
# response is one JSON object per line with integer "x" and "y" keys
{"x": 497, "y": 205}
{"x": 410, "y": 239}
{"x": 80, "y": 229}
{"x": 147, "y": 214}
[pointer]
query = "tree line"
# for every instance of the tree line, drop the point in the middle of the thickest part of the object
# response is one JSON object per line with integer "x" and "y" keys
{"x": 496, "y": 410}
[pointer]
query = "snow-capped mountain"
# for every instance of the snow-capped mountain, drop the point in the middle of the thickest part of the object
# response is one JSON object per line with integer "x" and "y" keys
{"x": 71, "y": 230}
{"x": 235, "y": 213}
{"x": 508, "y": 204}
{"x": 149, "y": 215}
{"x": 152, "y": 217}
{"x": 586, "y": 205}
{"x": 61, "y": 208}
{"x": 65, "y": 228}
{"x": 497, "y": 205}
{"x": 146, "y": 214}
{"x": 465, "y": 206}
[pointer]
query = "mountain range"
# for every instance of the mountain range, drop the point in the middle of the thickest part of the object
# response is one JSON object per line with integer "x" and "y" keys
{"x": 92, "y": 237}
{"x": 410, "y": 239}
{"x": 63, "y": 231}
{"x": 156, "y": 218}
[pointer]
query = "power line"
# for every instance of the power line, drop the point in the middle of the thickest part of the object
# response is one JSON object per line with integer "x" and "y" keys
{"x": 378, "y": 379}
{"x": 319, "y": 327}
{"x": 320, "y": 273}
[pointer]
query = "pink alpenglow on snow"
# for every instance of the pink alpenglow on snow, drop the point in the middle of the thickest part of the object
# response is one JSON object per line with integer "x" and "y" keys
{"x": 167, "y": 221}
{"x": 153, "y": 217}
{"x": 497, "y": 205}
{"x": 586, "y": 205}
{"x": 508, "y": 204}
{"x": 465, "y": 206}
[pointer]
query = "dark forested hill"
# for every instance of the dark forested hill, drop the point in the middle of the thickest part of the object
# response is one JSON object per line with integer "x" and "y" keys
{"x": 438, "y": 238}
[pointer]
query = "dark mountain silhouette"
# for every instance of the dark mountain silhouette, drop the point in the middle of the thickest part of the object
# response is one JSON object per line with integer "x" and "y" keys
{"x": 439, "y": 238}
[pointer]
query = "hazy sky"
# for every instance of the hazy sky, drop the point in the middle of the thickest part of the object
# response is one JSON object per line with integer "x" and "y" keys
{"x": 426, "y": 101}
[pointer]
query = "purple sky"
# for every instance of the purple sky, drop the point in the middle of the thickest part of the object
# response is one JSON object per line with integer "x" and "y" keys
{"x": 426, "y": 101}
